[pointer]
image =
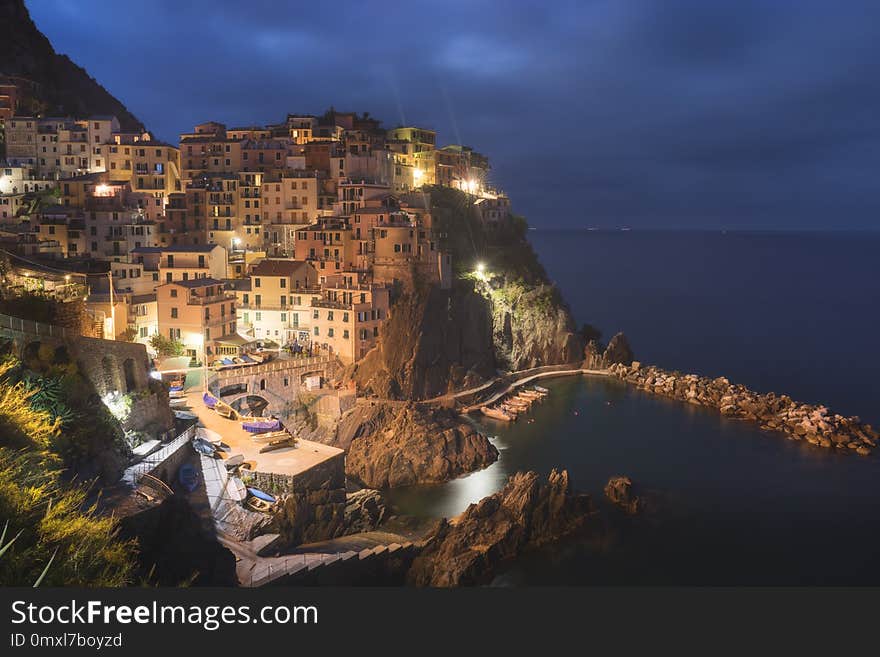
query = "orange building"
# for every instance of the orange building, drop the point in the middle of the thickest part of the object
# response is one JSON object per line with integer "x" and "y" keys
{"x": 199, "y": 313}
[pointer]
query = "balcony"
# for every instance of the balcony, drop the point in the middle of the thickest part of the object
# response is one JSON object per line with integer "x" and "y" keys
{"x": 196, "y": 300}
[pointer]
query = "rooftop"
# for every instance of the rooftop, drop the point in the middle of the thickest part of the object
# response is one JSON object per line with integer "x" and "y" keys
{"x": 278, "y": 267}
{"x": 195, "y": 283}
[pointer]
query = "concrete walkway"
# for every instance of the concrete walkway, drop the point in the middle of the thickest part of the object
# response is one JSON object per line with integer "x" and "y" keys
{"x": 525, "y": 381}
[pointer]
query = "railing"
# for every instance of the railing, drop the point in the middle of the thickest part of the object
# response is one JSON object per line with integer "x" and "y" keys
{"x": 132, "y": 474}
{"x": 18, "y": 325}
{"x": 275, "y": 366}
{"x": 196, "y": 300}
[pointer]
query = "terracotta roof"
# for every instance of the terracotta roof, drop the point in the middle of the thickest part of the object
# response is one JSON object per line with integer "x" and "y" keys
{"x": 273, "y": 267}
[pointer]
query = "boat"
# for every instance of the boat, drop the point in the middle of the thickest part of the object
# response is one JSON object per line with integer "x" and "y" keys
{"x": 261, "y": 495}
{"x": 534, "y": 395}
{"x": 185, "y": 415}
{"x": 234, "y": 461}
{"x": 225, "y": 410}
{"x": 540, "y": 389}
{"x": 269, "y": 436}
{"x": 210, "y": 400}
{"x": 261, "y": 426}
{"x": 188, "y": 477}
{"x": 203, "y": 447}
{"x": 209, "y": 435}
{"x": 280, "y": 443}
{"x": 497, "y": 414}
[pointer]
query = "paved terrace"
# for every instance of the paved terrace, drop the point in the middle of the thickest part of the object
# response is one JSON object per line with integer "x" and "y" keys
{"x": 286, "y": 461}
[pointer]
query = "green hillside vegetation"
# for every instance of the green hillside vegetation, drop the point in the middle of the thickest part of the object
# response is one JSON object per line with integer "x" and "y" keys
{"x": 51, "y": 533}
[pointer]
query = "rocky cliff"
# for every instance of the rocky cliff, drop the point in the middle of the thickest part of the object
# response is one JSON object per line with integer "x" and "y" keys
{"x": 395, "y": 444}
{"x": 61, "y": 87}
{"x": 506, "y": 316}
{"x": 525, "y": 513}
{"x": 435, "y": 341}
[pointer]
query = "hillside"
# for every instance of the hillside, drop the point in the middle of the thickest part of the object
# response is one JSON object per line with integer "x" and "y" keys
{"x": 507, "y": 317}
{"x": 62, "y": 88}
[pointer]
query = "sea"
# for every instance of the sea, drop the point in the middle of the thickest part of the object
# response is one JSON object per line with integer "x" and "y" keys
{"x": 728, "y": 504}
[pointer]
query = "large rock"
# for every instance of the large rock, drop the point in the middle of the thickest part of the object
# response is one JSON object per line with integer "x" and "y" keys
{"x": 525, "y": 513}
{"x": 364, "y": 510}
{"x": 399, "y": 444}
{"x": 619, "y": 491}
{"x": 618, "y": 351}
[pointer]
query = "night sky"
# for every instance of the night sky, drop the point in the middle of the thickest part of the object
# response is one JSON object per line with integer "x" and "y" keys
{"x": 649, "y": 113}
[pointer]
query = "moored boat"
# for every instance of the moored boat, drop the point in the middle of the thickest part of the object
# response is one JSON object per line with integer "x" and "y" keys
{"x": 497, "y": 413}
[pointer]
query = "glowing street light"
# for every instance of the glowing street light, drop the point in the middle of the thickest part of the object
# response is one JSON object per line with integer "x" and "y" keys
{"x": 417, "y": 175}
{"x": 481, "y": 267}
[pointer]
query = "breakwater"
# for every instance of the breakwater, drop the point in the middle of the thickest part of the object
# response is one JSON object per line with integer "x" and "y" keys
{"x": 812, "y": 423}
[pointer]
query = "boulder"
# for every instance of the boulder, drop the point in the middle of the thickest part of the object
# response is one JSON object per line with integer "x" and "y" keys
{"x": 619, "y": 491}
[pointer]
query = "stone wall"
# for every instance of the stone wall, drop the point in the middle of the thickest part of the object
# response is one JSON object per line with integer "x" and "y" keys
{"x": 313, "y": 502}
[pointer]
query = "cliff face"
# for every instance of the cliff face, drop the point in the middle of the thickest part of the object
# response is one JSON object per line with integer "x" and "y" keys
{"x": 400, "y": 444}
{"x": 63, "y": 88}
{"x": 508, "y": 317}
{"x": 435, "y": 341}
{"x": 525, "y": 513}
{"x": 531, "y": 326}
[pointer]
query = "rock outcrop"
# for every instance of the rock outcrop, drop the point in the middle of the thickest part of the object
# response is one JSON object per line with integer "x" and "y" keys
{"x": 525, "y": 513}
{"x": 618, "y": 351}
{"x": 619, "y": 491}
{"x": 799, "y": 421}
{"x": 399, "y": 444}
{"x": 531, "y": 325}
{"x": 364, "y": 510}
{"x": 434, "y": 341}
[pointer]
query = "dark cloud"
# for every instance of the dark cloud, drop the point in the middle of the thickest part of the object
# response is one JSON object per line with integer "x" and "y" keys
{"x": 679, "y": 113}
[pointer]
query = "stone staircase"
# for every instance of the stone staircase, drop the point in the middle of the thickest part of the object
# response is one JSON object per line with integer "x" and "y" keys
{"x": 345, "y": 559}
{"x": 297, "y": 568}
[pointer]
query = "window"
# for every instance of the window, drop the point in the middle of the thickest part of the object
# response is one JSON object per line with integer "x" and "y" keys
{"x": 316, "y": 331}
{"x": 330, "y": 332}
{"x": 330, "y": 315}
{"x": 283, "y": 317}
{"x": 283, "y": 282}
{"x": 174, "y": 313}
{"x": 258, "y": 316}
{"x": 256, "y": 282}
{"x": 173, "y": 293}
{"x": 143, "y": 331}
{"x": 314, "y": 314}
{"x": 345, "y": 334}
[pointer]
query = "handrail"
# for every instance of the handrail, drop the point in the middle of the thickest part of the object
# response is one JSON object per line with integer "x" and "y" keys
{"x": 31, "y": 327}
{"x": 133, "y": 473}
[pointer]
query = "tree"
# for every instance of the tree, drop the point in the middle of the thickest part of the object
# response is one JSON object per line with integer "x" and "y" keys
{"x": 166, "y": 346}
{"x": 130, "y": 334}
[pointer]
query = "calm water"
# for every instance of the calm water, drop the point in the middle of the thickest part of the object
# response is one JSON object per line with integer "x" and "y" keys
{"x": 792, "y": 313}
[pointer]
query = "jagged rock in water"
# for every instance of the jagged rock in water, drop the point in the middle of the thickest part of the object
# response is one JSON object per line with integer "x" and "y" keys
{"x": 399, "y": 444}
{"x": 364, "y": 510}
{"x": 525, "y": 513}
{"x": 618, "y": 351}
{"x": 618, "y": 490}
{"x": 593, "y": 358}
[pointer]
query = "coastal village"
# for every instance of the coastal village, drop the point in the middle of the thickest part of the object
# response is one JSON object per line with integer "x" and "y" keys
{"x": 250, "y": 335}
{"x": 215, "y": 290}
